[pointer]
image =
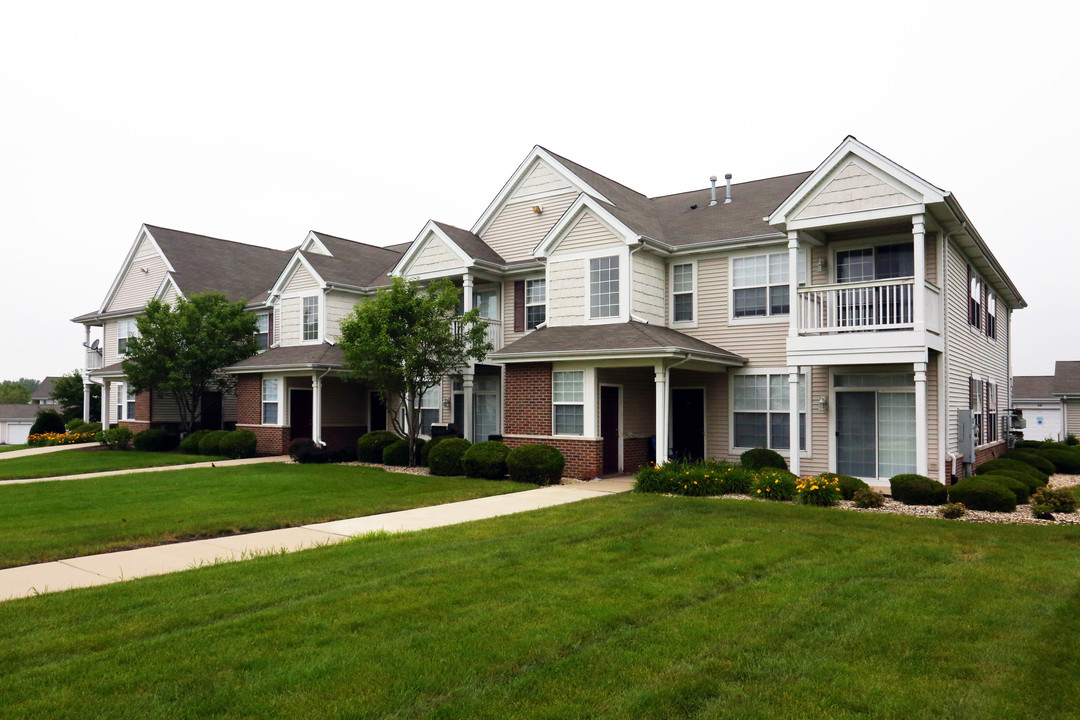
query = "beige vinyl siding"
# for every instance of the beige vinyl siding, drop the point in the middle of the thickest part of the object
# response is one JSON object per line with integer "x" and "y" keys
{"x": 109, "y": 334}
{"x": 933, "y": 424}
{"x": 638, "y": 399}
{"x": 301, "y": 280}
{"x": 566, "y": 292}
{"x": 291, "y": 317}
{"x": 650, "y": 287}
{"x": 338, "y": 306}
{"x": 969, "y": 350}
{"x": 163, "y": 406}
{"x": 436, "y": 257}
{"x": 817, "y": 423}
{"x": 115, "y": 398}
{"x": 170, "y": 295}
{"x": 541, "y": 178}
{"x": 141, "y": 280}
{"x": 586, "y": 234}
{"x": 516, "y": 229}
{"x": 763, "y": 343}
{"x": 344, "y": 403}
{"x": 1072, "y": 418}
{"x": 851, "y": 190}
{"x": 819, "y": 265}
{"x": 930, "y": 243}
{"x": 509, "y": 335}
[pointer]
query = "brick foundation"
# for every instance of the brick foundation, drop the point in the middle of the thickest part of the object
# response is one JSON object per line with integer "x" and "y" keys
{"x": 339, "y": 437}
{"x": 143, "y": 407}
{"x": 985, "y": 454}
{"x": 135, "y": 426}
{"x": 272, "y": 440}
{"x": 584, "y": 458}
{"x": 636, "y": 452}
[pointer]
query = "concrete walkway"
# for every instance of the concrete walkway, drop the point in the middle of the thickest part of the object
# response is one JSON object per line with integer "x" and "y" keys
{"x": 28, "y": 452}
{"x": 160, "y": 468}
{"x": 127, "y": 564}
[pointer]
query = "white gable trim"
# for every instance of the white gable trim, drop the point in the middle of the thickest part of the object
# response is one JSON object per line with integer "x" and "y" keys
{"x": 430, "y": 229}
{"x": 584, "y": 203}
{"x": 511, "y": 186}
{"x": 297, "y": 261}
{"x": 144, "y": 233}
{"x": 312, "y": 243}
{"x": 164, "y": 287}
{"x": 872, "y": 161}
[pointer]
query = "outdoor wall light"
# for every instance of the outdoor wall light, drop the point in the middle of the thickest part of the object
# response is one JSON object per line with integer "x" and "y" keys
{"x": 822, "y": 403}
{"x": 538, "y": 209}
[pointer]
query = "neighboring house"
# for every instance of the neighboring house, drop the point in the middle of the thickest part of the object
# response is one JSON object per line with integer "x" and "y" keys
{"x": 858, "y": 295}
{"x": 1033, "y": 395}
{"x": 1067, "y": 390}
{"x": 42, "y": 394}
{"x": 15, "y": 422}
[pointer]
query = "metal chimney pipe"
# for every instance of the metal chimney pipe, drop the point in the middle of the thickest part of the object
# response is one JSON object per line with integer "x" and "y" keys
{"x": 713, "y": 181}
{"x": 728, "y": 179}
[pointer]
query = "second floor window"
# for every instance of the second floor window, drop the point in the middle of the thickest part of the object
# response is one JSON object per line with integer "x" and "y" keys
{"x": 535, "y": 303}
{"x": 487, "y": 302}
{"x": 975, "y": 293}
{"x": 991, "y": 315}
{"x": 262, "y": 330}
{"x": 311, "y": 318}
{"x": 604, "y": 287}
{"x": 124, "y": 329}
{"x": 760, "y": 285}
{"x": 682, "y": 293}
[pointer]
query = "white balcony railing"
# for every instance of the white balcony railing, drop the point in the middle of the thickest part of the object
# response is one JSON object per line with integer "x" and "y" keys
{"x": 858, "y": 307}
{"x": 493, "y": 331}
{"x": 93, "y": 359}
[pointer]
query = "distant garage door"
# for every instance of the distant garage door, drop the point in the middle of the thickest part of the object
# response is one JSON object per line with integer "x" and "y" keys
{"x": 17, "y": 433}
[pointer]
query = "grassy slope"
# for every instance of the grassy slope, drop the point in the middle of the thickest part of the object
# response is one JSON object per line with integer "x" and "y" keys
{"x": 90, "y": 460}
{"x": 9, "y": 448}
{"x": 625, "y": 607}
{"x": 54, "y": 520}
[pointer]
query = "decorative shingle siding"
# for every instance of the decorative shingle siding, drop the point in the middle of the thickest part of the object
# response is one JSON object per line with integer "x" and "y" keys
{"x": 436, "y": 257}
{"x": 650, "y": 287}
{"x": 851, "y": 190}
{"x": 541, "y": 178}
{"x": 566, "y": 292}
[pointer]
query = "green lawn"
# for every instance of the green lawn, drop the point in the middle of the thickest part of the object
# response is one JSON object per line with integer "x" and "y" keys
{"x": 9, "y": 448}
{"x": 55, "y": 520}
{"x": 623, "y": 607}
{"x": 91, "y": 459}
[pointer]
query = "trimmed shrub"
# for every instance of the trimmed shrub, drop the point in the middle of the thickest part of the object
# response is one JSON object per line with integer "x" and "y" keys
{"x": 914, "y": 489}
{"x": 154, "y": 440}
{"x": 539, "y": 464}
{"x": 397, "y": 453}
{"x": 239, "y": 444}
{"x": 74, "y": 423}
{"x": 306, "y": 452}
{"x": 1030, "y": 481}
{"x": 759, "y": 458}
{"x": 445, "y": 458}
{"x": 94, "y": 427}
{"x": 818, "y": 490}
{"x": 1065, "y": 461}
{"x": 848, "y": 485}
{"x": 47, "y": 421}
{"x": 190, "y": 444}
{"x": 952, "y": 511}
{"x": 1017, "y": 488}
{"x": 1027, "y": 444}
{"x": 116, "y": 438}
{"x": 1033, "y": 459}
{"x": 979, "y": 494}
{"x": 1062, "y": 500}
{"x": 210, "y": 444}
{"x": 369, "y": 448}
{"x": 992, "y": 466}
{"x": 868, "y": 498}
{"x": 425, "y": 449}
{"x": 775, "y": 484}
{"x": 1071, "y": 439}
{"x": 486, "y": 460}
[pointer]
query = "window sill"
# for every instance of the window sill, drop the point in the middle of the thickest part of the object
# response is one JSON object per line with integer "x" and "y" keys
{"x": 760, "y": 320}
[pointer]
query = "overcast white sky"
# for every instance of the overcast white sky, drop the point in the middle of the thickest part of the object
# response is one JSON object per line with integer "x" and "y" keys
{"x": 256, "y": 122}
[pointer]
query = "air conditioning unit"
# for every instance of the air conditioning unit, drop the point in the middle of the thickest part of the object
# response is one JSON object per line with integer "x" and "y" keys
{"x": 1016, "y": 420}
{"x": 967, "y": 438}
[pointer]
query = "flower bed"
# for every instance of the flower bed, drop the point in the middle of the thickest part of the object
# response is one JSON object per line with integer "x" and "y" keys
{"x": 50, "y": 439}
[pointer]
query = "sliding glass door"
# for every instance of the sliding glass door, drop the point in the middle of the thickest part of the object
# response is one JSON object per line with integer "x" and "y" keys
{"x": 875, "y": 429}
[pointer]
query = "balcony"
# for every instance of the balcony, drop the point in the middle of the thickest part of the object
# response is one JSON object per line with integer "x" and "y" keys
{"x": 493, "y": 331}
{"x": 93, "y": 359}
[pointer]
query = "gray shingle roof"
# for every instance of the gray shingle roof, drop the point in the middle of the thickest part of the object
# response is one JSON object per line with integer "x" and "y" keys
{"x": 322, "y": 355}
{"x": 1030, "y": 387}
{"x": 614, "y": 337}
{"x": 470, "y": 243}
{"x": 354, "y": 263}
{"x": 44, "y": 388}
{"x": 1067, "y": 377}
{"x": 12, "y": 411}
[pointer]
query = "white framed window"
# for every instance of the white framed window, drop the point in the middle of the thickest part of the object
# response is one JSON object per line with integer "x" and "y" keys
{"x": 761, "y": 411}
{"x": 604, "y": 287}
{"x": 991, "y": 315}
{"x": 568, "y": 402}
{"x": 125, "y": 329}
{"x": 271, "y": 404}
{"x": 975, "y": 299}
{"x": 310, "y": 320}
{"x": 118, "y": 388}
{"x": 535, "y": 303}
{"x": 878, "y": 262}
{"x": 430, "y": 407}
{"x": 487, "y": 302}
{"x": 977, "y": 397}
{"x": 992, "y": 429}
{"x": 130, "y": 409}
{"x": 262, "y": 330}
{"x": 760, "y": 285}
{"x": 684, "y": 293}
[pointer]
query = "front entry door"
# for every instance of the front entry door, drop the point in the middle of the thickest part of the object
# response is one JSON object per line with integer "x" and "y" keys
{"x": 300, "y": 413}
{"x": 210, "y": 415}
{"x": 378, "y": 412}
{"x": 856, "y": 434}
{"x": 609, "y": 427}
{"x": 688, "y": 423}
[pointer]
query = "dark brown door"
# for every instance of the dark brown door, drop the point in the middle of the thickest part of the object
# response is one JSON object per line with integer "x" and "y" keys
{"x": 210, "y": 411}
{"x": 300, "y": 402}
{"x": 688, "y": 423}
{"x": 378, "y": 412}
{"x": 609, "y": 427}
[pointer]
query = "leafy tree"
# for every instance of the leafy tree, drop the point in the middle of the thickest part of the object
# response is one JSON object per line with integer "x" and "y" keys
{"x": 68, "y": 392}
{"x": 183, "y": 348}
{"x": 13, "y": 391}
{"x": 404, "y": 340}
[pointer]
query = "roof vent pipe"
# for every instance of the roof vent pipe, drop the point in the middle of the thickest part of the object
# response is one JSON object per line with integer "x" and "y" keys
{"x": 713, "y": 200}
{"x": 728, "y": 179}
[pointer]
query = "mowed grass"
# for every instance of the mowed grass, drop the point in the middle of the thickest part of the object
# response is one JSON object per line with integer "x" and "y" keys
{"x": 91, "y": 459}
{"x": 9, "y": 448}
{"x": 55, "y": 520}
{"x": 627, "y": 606}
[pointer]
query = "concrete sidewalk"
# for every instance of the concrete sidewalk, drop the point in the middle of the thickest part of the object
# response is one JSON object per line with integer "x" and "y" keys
{"x": 160, "y": 468}
{"x": 127, "y": 564}
{"x": 28, "y": 452}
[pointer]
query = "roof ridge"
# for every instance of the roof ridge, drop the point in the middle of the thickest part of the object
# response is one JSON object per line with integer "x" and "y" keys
{"x": 210, "y": 237}
{"x": 563, "y": 158}
{"x": 745, "y": 182}
{"x": 354, "y": 242}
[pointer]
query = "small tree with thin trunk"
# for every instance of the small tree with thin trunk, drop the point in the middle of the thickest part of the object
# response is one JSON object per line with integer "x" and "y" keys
{"x": 183, "y": 349}
{"x": 68, "y": 393}
{"x": 406, "y": 339}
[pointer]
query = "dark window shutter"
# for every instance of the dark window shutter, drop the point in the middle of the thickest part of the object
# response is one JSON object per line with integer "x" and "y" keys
{"x": 519, "y": 306}
{"x": 270, "y": 328}
{"x": 970, "y": 302}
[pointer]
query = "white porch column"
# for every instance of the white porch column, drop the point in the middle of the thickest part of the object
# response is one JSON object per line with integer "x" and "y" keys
{"x": 661, "y": 414}
{"x": 793, "y": 416}
{"x": 793, "y": 283}
{"x": 467, "y": 291}
{"x": 922, "y": 432}
{"x": 918, "y": 233}
{"x": 316, "y": 409}
{"x": 467, "y": 416}
{"x": 86, "y": 402}
{"x": 105, "y": 400}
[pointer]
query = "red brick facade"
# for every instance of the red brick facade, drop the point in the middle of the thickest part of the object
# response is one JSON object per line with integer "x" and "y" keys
{"x": 584, "y": 458}
{"x": 636, "y": 452}
{"x": 985, "y": 454}
{"x": 339, "y": 437}
{"x": 142, "y": 407}
{"x": 527, "y": 406}
{"x": 272, "y": 440}
{"x": 248, "y": 399}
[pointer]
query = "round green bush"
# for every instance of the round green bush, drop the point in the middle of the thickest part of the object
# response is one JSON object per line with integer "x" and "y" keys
{"x": 445, "y": 458}
{"x": 397, "y": 453}
{"x": 1065, "y": 461}
{"x": 94, "y": 427}
{"x": 116, "y": 438}
{"x": 992, "y": 466}
{"x": 369, "y": 448}
{"x": 762, "y": 458}
{"x": 914, "y": 489}
{"x": 1033, "y": 459}
{"x": 48, "y": 421}
{"x": 72, "y": 424}
{"x": 848, "y": 485}
{"x": 979, "y": 494}
{"x": 425, "y": 449}
{"x": 210, "y": 444}
{"x": 190, "y": 444}
{"x": 239, "y": 444}
{"x": 538, "y": 464}
{"x": 1017, "y": 488}
{"x": 155, "y": 440}
{"x": 1030, "y": 481}
{"x": 1060, "y": 500}
{"x": 486, "y": 460}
